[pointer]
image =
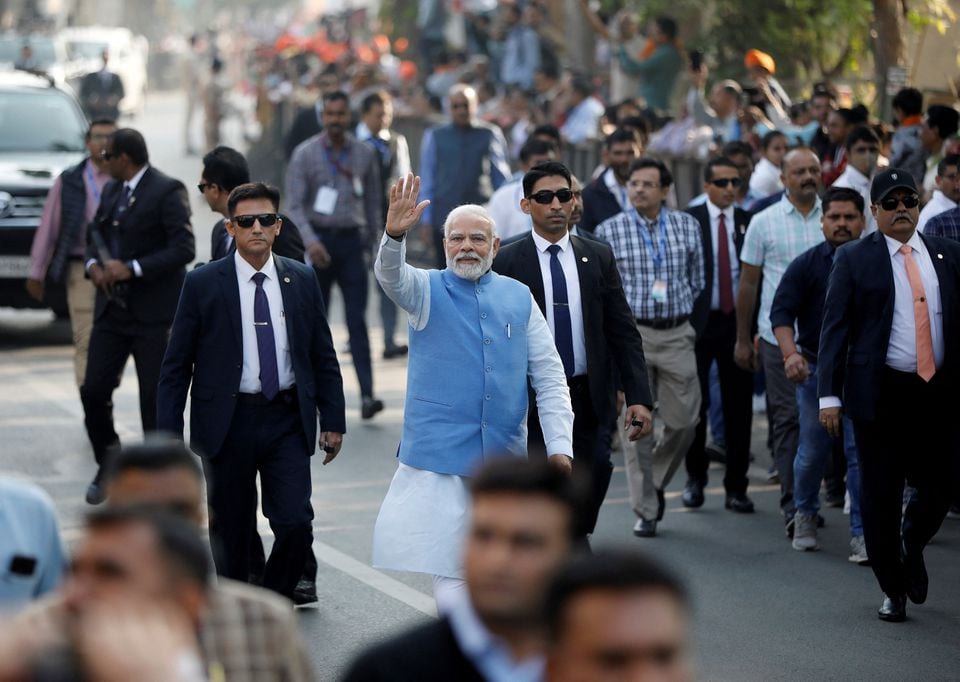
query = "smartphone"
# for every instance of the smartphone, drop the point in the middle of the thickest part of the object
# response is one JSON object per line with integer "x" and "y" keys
{"x": 23, "y": 565}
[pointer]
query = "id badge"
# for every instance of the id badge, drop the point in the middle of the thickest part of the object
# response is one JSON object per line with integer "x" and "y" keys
{"x": 326, "y": 201}
{"x": 357, "y": 187}
{"x": 659, "y": 291}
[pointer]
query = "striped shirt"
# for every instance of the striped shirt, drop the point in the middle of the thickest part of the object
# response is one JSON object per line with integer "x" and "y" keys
{"x": 946, "y": 224}
{"x": 673, "y": 239}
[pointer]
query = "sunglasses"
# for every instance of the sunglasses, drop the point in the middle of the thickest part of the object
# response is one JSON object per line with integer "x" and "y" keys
{"x": 891, "y": 203}
{"x": 545, "y": 196}
{"x": 265, "y": 219}
{"x": 203, "y": 186}
{"x": 726, "y": 182}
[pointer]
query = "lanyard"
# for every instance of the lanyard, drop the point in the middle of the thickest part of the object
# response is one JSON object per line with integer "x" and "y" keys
{"x": 660, "y": 253}
{"x": 92, "y": 186}
{"x": 336, "y": 165}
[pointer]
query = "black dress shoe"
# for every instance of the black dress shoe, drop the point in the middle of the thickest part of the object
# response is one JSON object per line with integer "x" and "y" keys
{"x": 370, "y": 407}
{"x": 661, "y": 504}
{"x": 305, "y": 592}
{"x": 692, "y": 495}
{"x": 917, "y": 580}
{"x": 893, "y": 609}
{"x": 395, "y": 352}
{"x": 644, "y": 528}
{"x": 95, "y": 492}
{"x": 739, "y": 503}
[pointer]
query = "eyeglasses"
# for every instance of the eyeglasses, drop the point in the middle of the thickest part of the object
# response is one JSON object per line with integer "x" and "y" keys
{"x": 546, "y": 196}
{"x": 726, "y": 182}
{"x": 265, "y": 220}
{"x": 203, "y": 186}
{"x": 891, "y": 203}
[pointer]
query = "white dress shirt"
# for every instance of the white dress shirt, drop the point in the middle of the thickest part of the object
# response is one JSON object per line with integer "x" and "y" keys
{"x": 250, "y": 377}
{"x": 938, "y": 204}
{"x": 618, "y": 191}
{"x": 902, "y": 349}
{"x": 851, "y": 178}
{"x": 730, "y": 225}
{"x": 568, "y": 261}
{"x": 765, "y": 180}
{"x": 504, "y": 207}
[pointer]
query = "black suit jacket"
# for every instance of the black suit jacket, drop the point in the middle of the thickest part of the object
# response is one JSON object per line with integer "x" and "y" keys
{"x": 288, "y": 243}
{"x": 155, "y": 231}
{"x": 701, "y": 306}
{"x": 429, "y": 653}
{"x": 96, "y": 96}
{"x": 609, "y": 330}
{"x": 305, "y": 125}
{"x": 598, "y": 205}
{"x": 858, "y": 317}
{"x": 206, "y": 347}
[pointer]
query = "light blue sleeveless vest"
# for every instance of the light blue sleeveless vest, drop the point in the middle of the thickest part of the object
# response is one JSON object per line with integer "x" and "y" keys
{"x": 467, "y": 375}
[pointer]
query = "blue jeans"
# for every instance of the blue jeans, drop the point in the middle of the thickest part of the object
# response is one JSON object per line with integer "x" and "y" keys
{"x": 813, "y": 453}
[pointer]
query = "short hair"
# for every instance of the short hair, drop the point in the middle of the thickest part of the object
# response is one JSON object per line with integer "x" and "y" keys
{"x": 611, "y": 570}
{"x": 547, "y": 130}
{"x": 463, "y": 89}
{"x": 226, "y": 168}
{"x": 535, "y": 146}
{"x": 550, "y": 69}
{"x": 909, "y": 101}
{"x": 666, "y": 177}
{"x": 718, "y": 162}
{"x": 372, "y": 100}
{"x": 638, "y": 123}
{"x": 469, "y": 211}
{"x": 522, "y": 476}
{"x": 99, "y": 122}
{"x": 178, "y": 541}
{"x": 949, "y": 161}
{"x": 836, "y": 194}
{"x": 130, "y": 142}
{"x": 860, "y": 134}
{"x": 667, "y": 26}
{"x": 848, "y": 115}
{"x": 619, "y": 135}
{"x": 861, "y": 115}
{"x": 944, "y": 119}
{"x": 769, "y": 139}
{"x": 544, "y": 170}
{"x": 737, "y": 148}
{"x": 156, "y": 453}
{"x": 253, "y": 190}
{"x": 335, "y": 96}
{"x": 582, "y": 85}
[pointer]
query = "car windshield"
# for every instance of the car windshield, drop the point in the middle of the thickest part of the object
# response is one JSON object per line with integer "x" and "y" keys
{"x": 86, "y": 49}
{"x": 42, "y": 47}
{"x": 42, "y": 121}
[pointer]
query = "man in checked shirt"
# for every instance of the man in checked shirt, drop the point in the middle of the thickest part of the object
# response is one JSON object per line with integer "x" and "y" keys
{"x": 660, "y": 257}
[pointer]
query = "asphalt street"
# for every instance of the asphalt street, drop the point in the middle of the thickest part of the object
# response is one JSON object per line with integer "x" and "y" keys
{"x": 761, "y": 611}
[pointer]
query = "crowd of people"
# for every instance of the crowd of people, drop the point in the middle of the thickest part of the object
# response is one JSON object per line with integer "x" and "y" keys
{"x": 563, "y": 319}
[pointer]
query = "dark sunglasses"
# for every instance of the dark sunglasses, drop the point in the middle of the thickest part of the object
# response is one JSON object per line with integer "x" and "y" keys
{"x": 726, "y": 182}
{"x": 203, "y": 186}
{"x": 545, "y": 196}
{"x": 891, "y": 203}
{"x": 265, "y": 219}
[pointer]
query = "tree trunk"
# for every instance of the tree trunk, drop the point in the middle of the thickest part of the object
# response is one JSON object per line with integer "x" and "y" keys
{"x": 888, "y": 47}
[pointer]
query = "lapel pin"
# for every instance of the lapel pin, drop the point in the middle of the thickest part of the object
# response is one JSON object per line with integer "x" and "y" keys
{"x": 287, "y": 280}
{"x": 940, "y": 256}
{"x": 585, "y": 259}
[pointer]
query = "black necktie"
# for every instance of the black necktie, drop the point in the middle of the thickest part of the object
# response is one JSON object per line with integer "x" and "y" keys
{"x": 562, "y": 328}
{"x": 118, "y": 210}
{"x": 266, "y": 345}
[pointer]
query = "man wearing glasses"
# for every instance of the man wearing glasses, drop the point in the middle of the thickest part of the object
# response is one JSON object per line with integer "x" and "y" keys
{"x": 889, "y": 359}
{"x": 251, "y": 335}
{"x": 660, "y": 256}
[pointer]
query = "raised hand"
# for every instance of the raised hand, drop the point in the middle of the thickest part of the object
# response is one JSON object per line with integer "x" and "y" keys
{"x": 404, "y": 211}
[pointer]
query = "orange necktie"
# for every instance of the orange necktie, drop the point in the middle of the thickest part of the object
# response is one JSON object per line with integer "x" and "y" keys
{"x": 921, "y": 317}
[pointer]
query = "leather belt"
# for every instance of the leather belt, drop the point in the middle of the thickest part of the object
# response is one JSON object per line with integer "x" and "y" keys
{"x": 666, "y": 323}
{"x": 286, "y": 396}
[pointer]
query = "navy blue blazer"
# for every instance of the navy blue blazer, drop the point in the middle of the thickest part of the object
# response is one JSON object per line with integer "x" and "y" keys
{"x": 206, "y": 349}
{"x": 598, "y": 205}
{"x": 858, "y": 317}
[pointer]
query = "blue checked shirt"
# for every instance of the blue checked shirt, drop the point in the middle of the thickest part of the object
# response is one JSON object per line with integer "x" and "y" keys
{"x": 946, "y": 224}
{"x": 681, "y": 268}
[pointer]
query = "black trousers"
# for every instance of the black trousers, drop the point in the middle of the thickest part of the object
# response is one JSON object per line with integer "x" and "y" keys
{"x": 267, "y": 439}
{"x": 736, "y": 395}
{"x": 912, "y": 440}
{"x": 348, "y": 268}
{"x": 591, "y": 448}
{"x": 115, "y": 336}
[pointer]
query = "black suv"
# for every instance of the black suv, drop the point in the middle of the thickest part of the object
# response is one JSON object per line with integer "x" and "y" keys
{"x": 42, "y": 132}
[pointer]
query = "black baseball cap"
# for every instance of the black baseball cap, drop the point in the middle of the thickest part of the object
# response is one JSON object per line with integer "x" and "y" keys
{"x": 889, "y": 180}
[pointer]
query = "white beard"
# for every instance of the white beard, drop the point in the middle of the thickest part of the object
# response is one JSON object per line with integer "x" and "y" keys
{"x": 469, "y": 269}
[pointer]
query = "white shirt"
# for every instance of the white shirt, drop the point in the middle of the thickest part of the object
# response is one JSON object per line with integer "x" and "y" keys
{"x": 851, "y": 178}
{"x": 938, "y": 204}
{"x": 765, "y": 180}
{"x": 583, "y": 121}
{"x": 504, "y": 207}
{"x": 902, "y": 349}
{"x": 616, "y": 189}
{"x": 730, "y": 225}
{"x": 568, "y": 261}
{"x": 250, "y": 376}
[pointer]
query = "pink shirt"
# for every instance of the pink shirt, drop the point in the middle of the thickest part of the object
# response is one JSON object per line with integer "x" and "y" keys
{"x": 45, "y": 239}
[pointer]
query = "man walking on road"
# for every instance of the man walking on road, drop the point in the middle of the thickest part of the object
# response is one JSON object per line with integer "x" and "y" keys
{"x": 475, "y": 339}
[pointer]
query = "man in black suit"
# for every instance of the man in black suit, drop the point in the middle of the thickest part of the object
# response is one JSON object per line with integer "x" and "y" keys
{"x": 138, "y": 246}
{"x": 890, "y": 347}
{"x": 522, "y": 529}
{"x": 101, "y": 92}
{"x": 224, "y": 169}
{"x": 577, "y": 287}
{"x": 251, "y": 335}
{"x": 606, "y": 196}
{"x": 722, "y": 227}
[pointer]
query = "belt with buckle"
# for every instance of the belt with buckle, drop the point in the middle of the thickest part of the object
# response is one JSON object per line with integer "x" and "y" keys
{"x": 665, "y": 323}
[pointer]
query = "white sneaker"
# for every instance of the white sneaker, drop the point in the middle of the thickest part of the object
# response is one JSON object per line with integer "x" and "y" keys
{"x": 858, "y": 551}
{"x": 805, "y": 533}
